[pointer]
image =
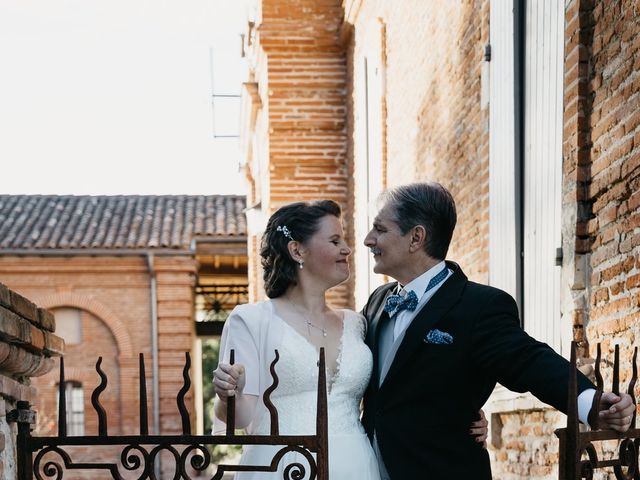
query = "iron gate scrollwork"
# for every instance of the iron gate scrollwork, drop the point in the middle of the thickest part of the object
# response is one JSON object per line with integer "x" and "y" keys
{"x": 574, "y": 444}
{"x": 139, "y": 452}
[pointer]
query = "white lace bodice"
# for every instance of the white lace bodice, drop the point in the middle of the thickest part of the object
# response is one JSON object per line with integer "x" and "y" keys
{"x": 296, "y": 395}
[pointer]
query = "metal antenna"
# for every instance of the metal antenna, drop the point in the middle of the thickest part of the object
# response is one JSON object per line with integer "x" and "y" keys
{"x": 215, "y": 96}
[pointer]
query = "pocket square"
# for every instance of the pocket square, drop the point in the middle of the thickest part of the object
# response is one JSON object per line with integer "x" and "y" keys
{"x": 438, "y": 337}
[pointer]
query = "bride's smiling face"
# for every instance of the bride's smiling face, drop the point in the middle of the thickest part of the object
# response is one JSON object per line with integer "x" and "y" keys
{"x": 326, "y": 253}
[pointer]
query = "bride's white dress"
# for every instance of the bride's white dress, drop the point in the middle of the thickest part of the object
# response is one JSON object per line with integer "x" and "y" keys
{"x": 350, "y": 452}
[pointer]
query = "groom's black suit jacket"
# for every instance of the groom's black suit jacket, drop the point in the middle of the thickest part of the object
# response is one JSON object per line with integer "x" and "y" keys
{"x": 422, "y": 412}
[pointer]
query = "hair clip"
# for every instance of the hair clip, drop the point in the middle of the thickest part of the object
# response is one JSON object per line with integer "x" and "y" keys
{"x": 285, "y": 231}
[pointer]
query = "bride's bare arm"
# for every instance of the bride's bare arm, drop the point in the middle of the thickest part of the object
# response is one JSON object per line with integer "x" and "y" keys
{"x": 229, "y": 381}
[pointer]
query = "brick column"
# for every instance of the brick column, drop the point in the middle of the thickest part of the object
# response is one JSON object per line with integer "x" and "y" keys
{"x": 175, "y": 280}
{"x": 27, "y": 343}
{"x": 300, "y": 72}
{"x": 576, "y": 207}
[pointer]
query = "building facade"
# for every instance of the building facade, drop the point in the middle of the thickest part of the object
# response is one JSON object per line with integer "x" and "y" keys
{"x": 293, "y": 127}
{"x": 123, "y": 276}
{"x": 526, "y": 111}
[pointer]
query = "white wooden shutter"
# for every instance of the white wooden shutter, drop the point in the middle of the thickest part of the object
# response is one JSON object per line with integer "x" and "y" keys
{"x": 502, "y": 176}
{"x": 543, "y": 76}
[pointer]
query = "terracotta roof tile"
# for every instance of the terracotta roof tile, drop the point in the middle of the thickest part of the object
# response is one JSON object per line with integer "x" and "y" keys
{"x": 118, "y": 222}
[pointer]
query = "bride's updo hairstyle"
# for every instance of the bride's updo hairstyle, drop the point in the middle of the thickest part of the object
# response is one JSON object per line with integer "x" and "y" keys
{"x": 296, "y": 221}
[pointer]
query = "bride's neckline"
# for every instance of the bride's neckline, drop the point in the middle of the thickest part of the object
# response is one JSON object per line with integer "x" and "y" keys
{"x": 334, "y": 375}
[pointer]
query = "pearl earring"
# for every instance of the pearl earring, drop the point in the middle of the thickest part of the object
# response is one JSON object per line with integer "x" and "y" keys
{"x": 301, "y": 262}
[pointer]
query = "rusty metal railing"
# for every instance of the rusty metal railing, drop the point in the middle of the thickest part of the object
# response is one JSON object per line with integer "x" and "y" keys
{"x": 576, "y": 445}
{"x": 140, "y": 452}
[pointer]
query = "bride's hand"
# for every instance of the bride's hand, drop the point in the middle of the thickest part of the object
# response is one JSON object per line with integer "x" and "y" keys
{"x": 479, "y": 429}
{"x": 228, "y": 380}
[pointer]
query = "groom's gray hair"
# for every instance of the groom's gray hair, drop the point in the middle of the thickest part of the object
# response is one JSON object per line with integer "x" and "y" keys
{"x": 428, "y": 204}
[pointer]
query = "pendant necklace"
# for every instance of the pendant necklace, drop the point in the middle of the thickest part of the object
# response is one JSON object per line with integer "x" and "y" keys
{"x": 309, "y": 323}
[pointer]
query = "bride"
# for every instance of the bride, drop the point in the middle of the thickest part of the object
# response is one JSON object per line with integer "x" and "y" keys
{"x": 304, "y": 254}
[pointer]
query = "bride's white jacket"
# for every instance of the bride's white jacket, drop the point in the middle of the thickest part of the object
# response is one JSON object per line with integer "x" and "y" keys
{"x": 253, "y": 333}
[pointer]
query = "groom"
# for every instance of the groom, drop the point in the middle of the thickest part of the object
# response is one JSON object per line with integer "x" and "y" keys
{"x": 441, "y": 342}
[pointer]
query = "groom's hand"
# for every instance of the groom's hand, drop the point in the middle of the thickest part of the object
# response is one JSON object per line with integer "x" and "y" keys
{"x": 228, "y": 380}
{"x": 479, "y": 429}
{"x": 616, "y": 411}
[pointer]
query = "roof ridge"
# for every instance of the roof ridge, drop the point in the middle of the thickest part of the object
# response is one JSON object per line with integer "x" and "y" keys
{"x": 69, "y": 222}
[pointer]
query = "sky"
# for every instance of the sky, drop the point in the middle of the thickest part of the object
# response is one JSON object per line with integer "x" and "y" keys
{"x": 109, "y": 97}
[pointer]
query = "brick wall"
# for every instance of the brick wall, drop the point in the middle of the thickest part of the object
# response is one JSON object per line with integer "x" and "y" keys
{"x": 600, "y": 210}
{"x": 80, "y": 367}
{"x": 306, "y": 82}
{"x": 114, "y": 295}
{"x": 525, "y": 445}
{"x": 176, "y": 282}
{"x": 27, "y": 345}
{"x": 114, "y": 291}
{"x": 611, "y": 49}
{"x": 300, "y": 69}
{"x": 453, "y": 136}
{"x": 80, "y": 364}
{"x": 433, "y": 127}
{"x": 614, "y": 172}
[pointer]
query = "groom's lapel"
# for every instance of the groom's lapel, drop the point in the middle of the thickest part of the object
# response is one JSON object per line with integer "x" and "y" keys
{"x": 444, "y": 299}
{"x": 374, "y": 332}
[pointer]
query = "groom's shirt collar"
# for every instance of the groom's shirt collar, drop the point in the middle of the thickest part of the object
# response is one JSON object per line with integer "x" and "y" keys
{"x": 419, "y": 284}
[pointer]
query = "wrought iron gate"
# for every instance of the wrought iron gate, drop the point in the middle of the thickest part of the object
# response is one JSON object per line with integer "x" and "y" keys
{"x": 574, "y": 444}
{"x": 139, "y": 452}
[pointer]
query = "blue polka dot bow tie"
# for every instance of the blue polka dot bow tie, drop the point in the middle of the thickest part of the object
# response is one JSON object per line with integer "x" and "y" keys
{"x": 397, "y": 303}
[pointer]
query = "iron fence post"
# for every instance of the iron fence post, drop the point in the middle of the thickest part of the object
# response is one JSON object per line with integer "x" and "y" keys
{"x": 24, "y": 417}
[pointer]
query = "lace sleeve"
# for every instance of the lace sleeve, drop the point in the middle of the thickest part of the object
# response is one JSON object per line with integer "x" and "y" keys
{"x": 362, "y": 324}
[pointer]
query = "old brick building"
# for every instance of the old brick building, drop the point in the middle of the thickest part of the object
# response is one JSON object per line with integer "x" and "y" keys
{"x": 294, "y": 114}
{"x": 123, "y": 275}
{"x": 527, "y": 111}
